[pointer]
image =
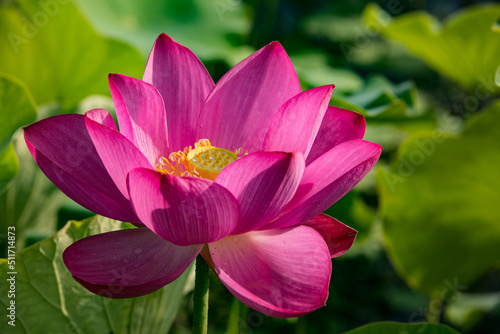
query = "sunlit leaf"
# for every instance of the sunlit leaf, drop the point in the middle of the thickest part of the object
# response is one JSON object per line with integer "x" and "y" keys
{"x": 392, "y": 111}
{"x": 313, "y": 68}
{"x": 52, "y": 48}
{"x": 16, "y": 109}
{"x": 439, "y": 204}
{"x": 335, "y": 27}
{"x": 207, "y": 27}
{"x": 398, "y": 328}
{"x": 381, "y": 100}
{"x": 8, "y": 166}
{"x": 464, "y": 48}
{"x": 497, "y": 77}
{"x": 467, "y": 309}
{"x": 49, "y": 300}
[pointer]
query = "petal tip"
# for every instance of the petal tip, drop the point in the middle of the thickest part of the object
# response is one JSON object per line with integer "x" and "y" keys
{"x": 359, "y": 120}
{"x": 164, "y": 41}
{"x": 379, "y": 148}
{"x": 112, "y": 79}
{"x": 114, "y": 76}
{"x": 163, "y": 36}
{"x": 276, "y": 46}
{"x": 111, "y": 76}
{"x": 328, "y": 91}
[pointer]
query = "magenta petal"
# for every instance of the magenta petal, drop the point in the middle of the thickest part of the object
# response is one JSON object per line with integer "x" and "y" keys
{"x": 282, "y": 273}
{"x": 339, "y": 237}
{"x": 327, "y": 179}
{"x": 103, "y": 117}
{"x": 117, "y": 153}
{"x": 238, "y": 111}
{"x": 64, "y": 151}
{"x": 263, "y": 183}
{"x": 295, "y": 125}
{"x": 184, "y": 83}
{"x": 141, "y": 115}
{"x": 338, "y": 125}
{"x": 127, "y": 263}
{"x": 182, "y": 210}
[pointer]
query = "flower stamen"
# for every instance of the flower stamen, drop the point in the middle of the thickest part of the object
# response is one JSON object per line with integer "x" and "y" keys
{"x": 209, "y": 160}
{"x": 204, "y": 160}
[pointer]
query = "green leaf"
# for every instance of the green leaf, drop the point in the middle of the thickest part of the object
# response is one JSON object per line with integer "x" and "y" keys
{"x": 398, "y": 328}
{"x": 52, "y": 48}
{"x": 30, "y": 202}
{"x": 335, "y": 26}
{"x": 16, "y": 109}
{"x": 497, "y": 77}
{"x": 392, "y": 110}
{"x": 439, "y": 204}
{"x": 49, "y": 300}
{"x": 467, "y": 56}
{"x": 187, "y": 21}
{"x": 381, "y": 100}
{"x": 469, "y": 308}
{"x": 313, "y": 68}
{"x": 9, "y": 166}
{"x": 354, "y": 212}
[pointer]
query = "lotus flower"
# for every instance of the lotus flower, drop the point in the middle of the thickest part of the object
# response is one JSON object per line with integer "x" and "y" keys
{"x": 239, "y": 171}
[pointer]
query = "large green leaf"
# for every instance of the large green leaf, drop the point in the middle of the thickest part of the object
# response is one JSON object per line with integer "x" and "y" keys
{"x": 52, "y": 48}
{"x": 398, "y": 328}
{"x": 439, "y": 203}
{"x": 48, "y": 300}
{"x": 465, "y": 48}
{"x": 206, "y": 27}
{"x": 16, "y": 109}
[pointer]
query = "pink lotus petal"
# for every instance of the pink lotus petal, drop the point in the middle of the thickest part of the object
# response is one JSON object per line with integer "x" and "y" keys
{"x": 327, "y": 179}
{"x": 103, "y": 117}
{"x": 141, "y": 115}
{"x": 127, "y": 263}
{"x": 238, "y": 111}
{"x": 282, "y": 273}
{"x": 117, "y": 153}
{"x": 339, "y": 237}
{"x": 184, "y": 83}
{"x": 182, "y": 210}
{"x": 64, "y": 151}
{"x": 263, "y": 183}
{"x": 338, "y": 125}
{"x": 297, "y": 122}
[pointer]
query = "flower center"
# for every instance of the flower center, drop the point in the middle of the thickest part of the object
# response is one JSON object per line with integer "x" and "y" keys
{"x": 209, "y": 160}
{"x": 204, "y": 160}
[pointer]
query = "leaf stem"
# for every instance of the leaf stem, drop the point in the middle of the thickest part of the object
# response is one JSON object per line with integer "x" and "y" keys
{"x": 435, "y": 309}
{"x": 200, "y": 297}
{"x": 234, "y": 317}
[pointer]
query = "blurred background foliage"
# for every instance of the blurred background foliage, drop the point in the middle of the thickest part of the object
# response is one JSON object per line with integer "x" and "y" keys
{"x": 426, "y": 75}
